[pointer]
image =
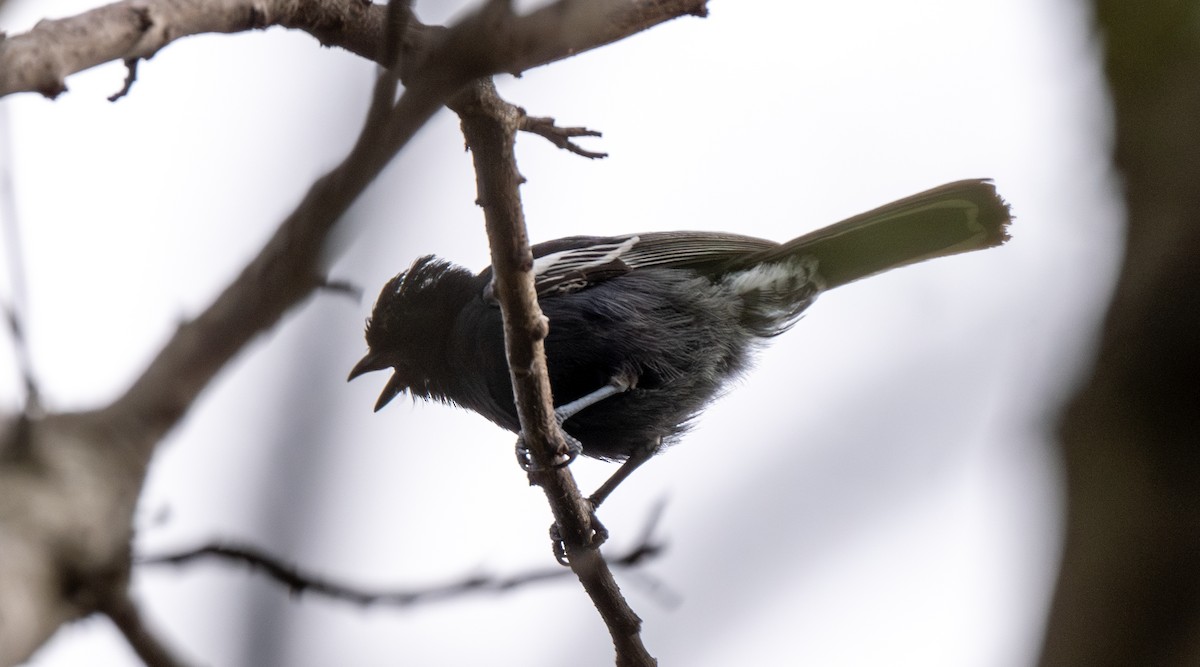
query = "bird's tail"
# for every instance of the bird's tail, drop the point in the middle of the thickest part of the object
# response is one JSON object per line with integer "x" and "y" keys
{"x": 947, "y": 220}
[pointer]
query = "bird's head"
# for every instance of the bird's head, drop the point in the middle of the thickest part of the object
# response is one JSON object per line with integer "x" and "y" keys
{"x": 410, "y": 325}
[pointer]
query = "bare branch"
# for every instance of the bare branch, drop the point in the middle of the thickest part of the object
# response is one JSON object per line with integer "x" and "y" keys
{"x": 298, "y": 581}
{"x": 544, "y": 126}
{"x": 40, "y": 60}
{"x": 148, "y": 646}
{"x": 343, "y": 287}
{"x": 490, "y": 126}
{"x": 564, "y": 29}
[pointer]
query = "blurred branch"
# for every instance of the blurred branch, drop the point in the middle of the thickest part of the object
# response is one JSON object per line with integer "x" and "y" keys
{"x": 285, "y": 271}
{"x": 14, "y": 308}
{"x": 490, "y": 126}
{"x": 1129, "y": 589}
{"x": 66, "y": 502}
{"x": 149, "y": 647}
{"x": 298, "y": 581}
{"x": 40, "y": 60}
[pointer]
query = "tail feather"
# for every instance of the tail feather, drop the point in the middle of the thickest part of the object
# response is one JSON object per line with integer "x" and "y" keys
{"x": 950, "y": 219}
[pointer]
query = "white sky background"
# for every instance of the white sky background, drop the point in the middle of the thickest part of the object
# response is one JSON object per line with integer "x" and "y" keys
{"x": 878, "y": 490}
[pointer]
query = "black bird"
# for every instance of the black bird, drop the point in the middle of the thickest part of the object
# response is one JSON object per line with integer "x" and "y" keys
{"x": 646, "y": 329}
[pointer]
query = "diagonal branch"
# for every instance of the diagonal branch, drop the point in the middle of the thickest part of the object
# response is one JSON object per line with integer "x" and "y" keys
{"x": 285, "y": 271}
{"x": 14, "y": 309}
{"x": 490, "y": 126}
{"x": 124, "y": 613}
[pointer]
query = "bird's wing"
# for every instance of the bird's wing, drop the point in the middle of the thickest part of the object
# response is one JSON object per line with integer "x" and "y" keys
{"x": 573, "y": 263}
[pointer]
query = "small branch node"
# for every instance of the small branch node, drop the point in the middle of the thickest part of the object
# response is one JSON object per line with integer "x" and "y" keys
{"x": 131, "y": 65}
{"x": 545, "y": 127}
{"x": 343, "y": 288}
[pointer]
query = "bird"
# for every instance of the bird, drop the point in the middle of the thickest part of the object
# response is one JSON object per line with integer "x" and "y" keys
{"x": 645, "y": 330}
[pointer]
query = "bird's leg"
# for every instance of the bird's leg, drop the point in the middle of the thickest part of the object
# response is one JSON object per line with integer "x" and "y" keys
{"x": 615, "y": 386}
{"x": 636, "y": 458}
{"x": 564, "y": 412}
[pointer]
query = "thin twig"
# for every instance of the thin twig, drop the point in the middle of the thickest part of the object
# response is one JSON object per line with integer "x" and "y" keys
{"x": 344, "y": 288}
{"x": 299, "y": 581}
{"x": 544, "y": 126}
{"x": 131, "y": 67}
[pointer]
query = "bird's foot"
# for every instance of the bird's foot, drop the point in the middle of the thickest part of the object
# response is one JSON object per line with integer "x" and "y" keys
{"x": 599, "y": 537}
{"x": 563, "y": 459}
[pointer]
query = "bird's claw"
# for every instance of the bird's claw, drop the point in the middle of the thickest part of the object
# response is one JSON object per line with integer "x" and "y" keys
{"x": 599, "y": 537}
{"x": 574, "y": 449}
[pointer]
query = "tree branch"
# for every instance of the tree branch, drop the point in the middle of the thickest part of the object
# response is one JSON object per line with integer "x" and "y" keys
{"x": 14, "y": 309}
{"x": 298, "y": 581}
{"x": 1129, "y": 591}
{"x": 490, "y": 126}
{"x": 41, "y": 59}
{"x": 560, "y": 136}
{"x": 148, "y": 646}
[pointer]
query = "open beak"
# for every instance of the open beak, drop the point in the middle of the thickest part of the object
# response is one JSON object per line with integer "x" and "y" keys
{"x": 395, "y": 384}
{"x": 370, "y": 363}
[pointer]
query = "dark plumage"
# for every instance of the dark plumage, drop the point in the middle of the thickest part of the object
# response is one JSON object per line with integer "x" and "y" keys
{"x": 676, "y": 312}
